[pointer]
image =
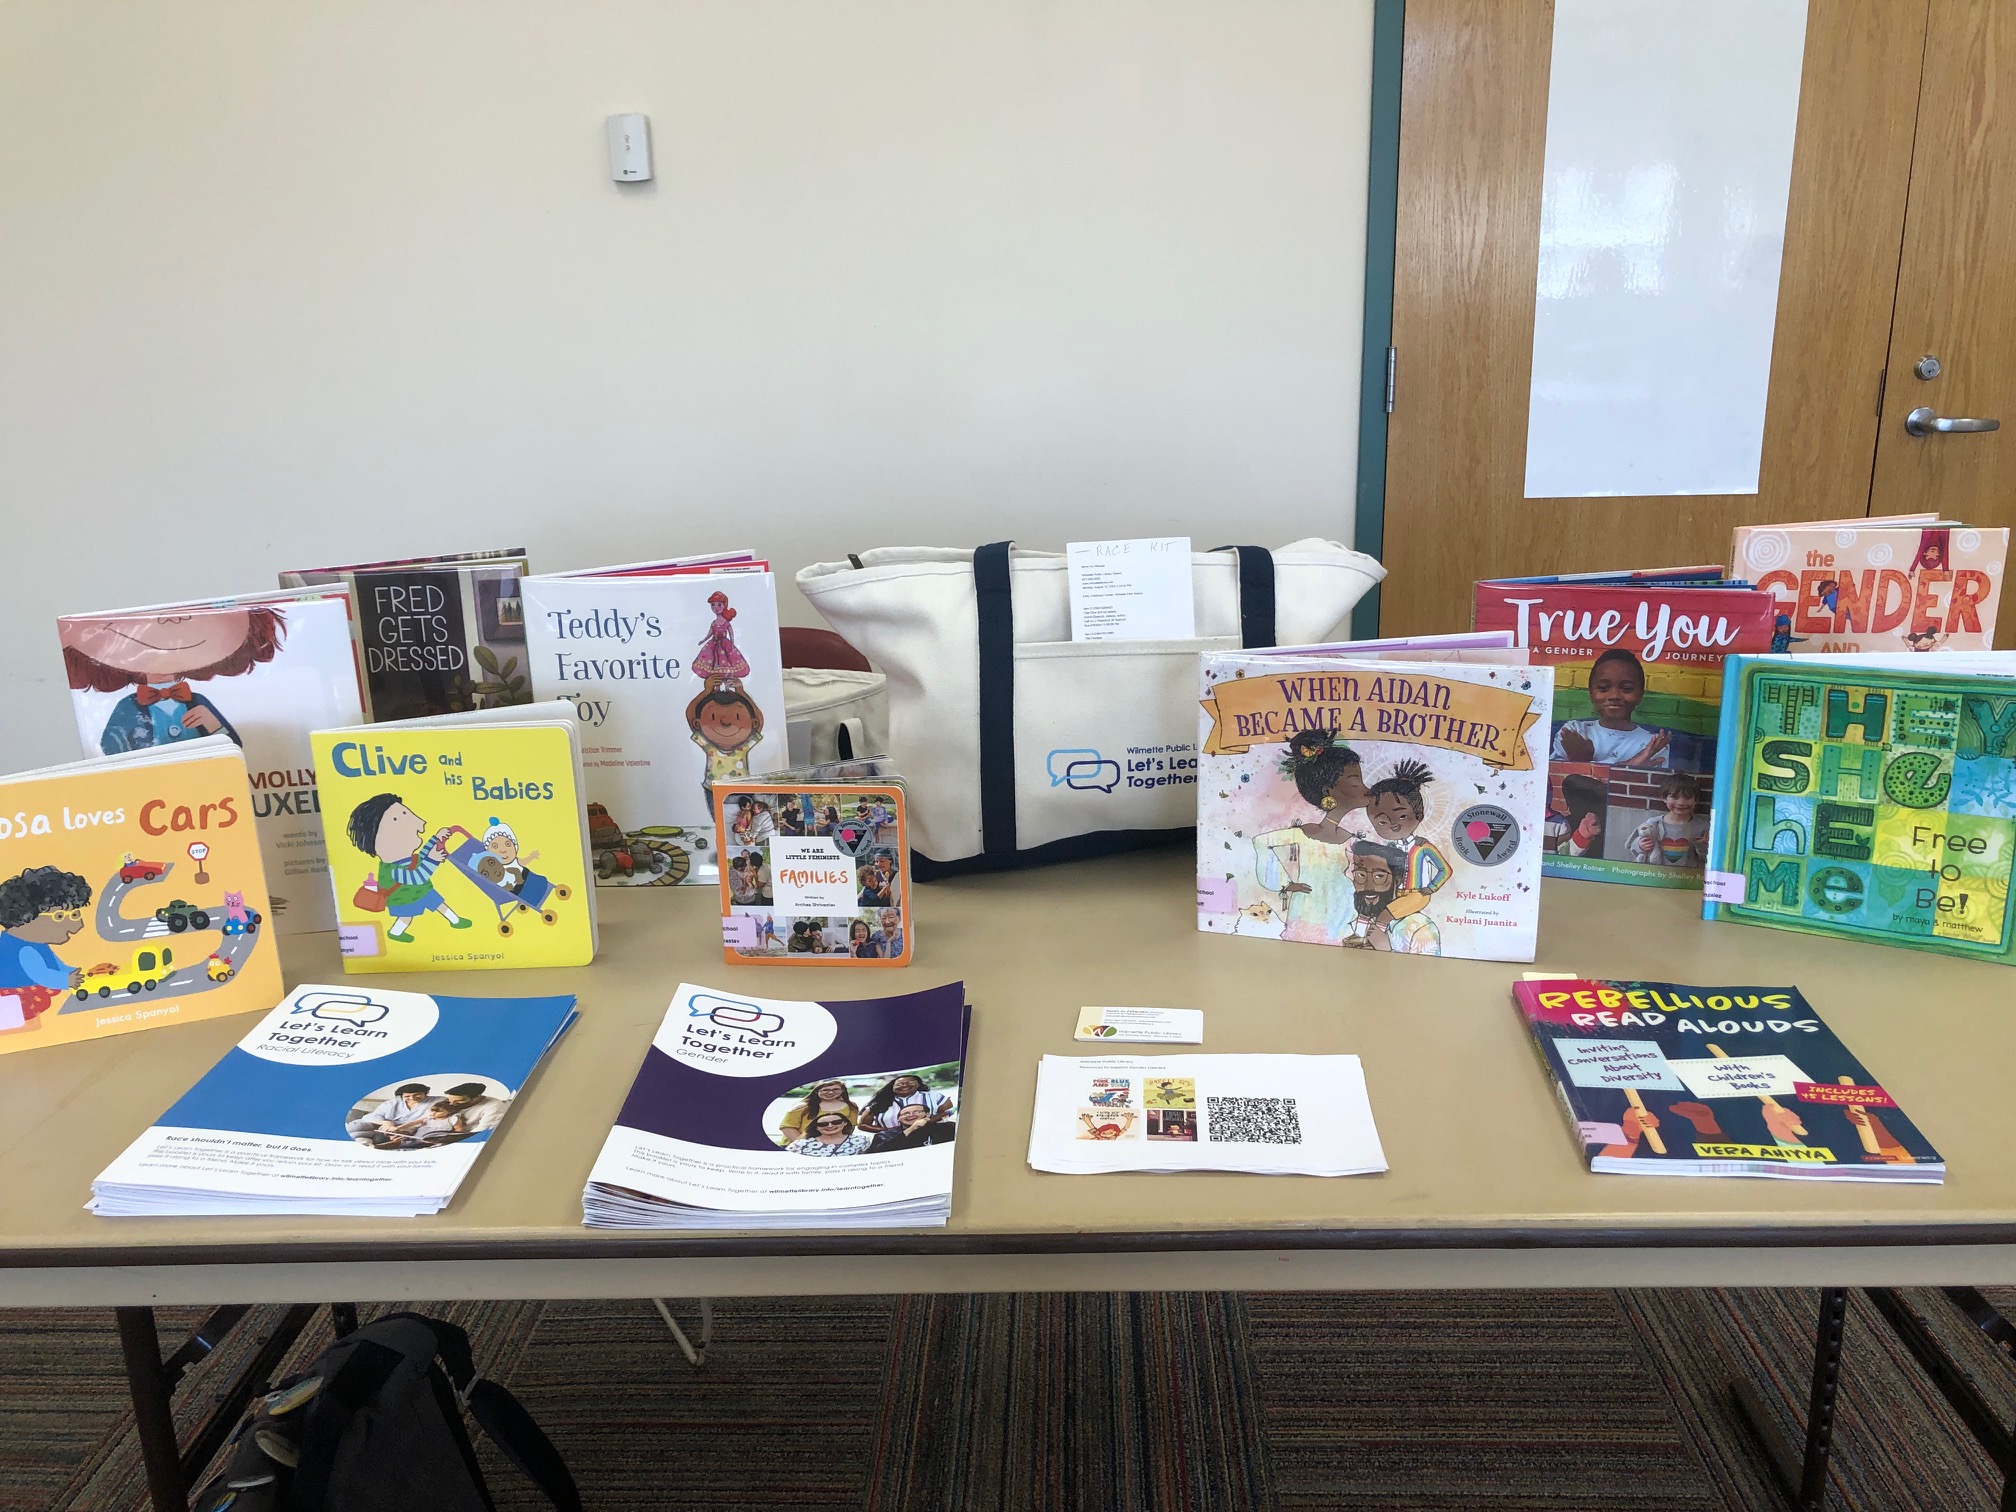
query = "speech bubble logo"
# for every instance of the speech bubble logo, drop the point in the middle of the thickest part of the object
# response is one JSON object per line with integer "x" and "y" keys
{"x": 744, "y": 1036}
{"x": 1084, "y": 776}
{"x": 1060, "y": 771}
{"x": 347, "y": 1007}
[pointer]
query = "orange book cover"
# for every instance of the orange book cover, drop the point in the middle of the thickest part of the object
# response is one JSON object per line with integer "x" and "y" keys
{"x": 131, "y": 896}
{"x": 815, "y": 870}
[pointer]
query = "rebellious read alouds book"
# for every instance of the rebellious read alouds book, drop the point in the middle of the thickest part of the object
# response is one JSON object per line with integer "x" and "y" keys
{"x": 1380, "y": 805}
{"x": 131, "y": 896}
{"x": 263, "y": 669}
{"x": 459, "y": 843}
{"x": 1661, "y": 1079}
{"x": 1637, "y": 661}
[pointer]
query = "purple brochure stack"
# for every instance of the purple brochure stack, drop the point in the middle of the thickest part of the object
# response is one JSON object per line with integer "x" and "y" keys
{"x": 756, "y": 1112}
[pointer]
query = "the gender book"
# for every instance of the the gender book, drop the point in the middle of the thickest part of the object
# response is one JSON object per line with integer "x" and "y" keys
{"x": 1375, "y": 805}
{"x": 263, "y": 669}
{"x": 1869, "y": 798}
{"x": 1637, "y": 661}
{"x": 1660, "y": 1079}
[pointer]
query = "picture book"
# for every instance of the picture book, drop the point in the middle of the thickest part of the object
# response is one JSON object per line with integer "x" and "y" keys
{"x": 1267, "y": 1115}
{"x": 1883, "y": 583}
{"x": 342, "y": 1100}
{"x": 1871, "y": 798}
{"x": 131, "y": 895}
{"x": 675, "y": 676}
{"x": 1377, "y": 805}
{"x": 459, "y": 843}
{"x": 264, "y": 669}
{"x": 1637, "y": 661}
{"x": 435, "y": 635}
{"x": 815, "y": 867}
{"x": 1663, "y": 1080}
{"x": 754, "y": 1112}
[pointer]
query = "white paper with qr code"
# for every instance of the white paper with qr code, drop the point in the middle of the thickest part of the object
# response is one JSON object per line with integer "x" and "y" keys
{"x": 1270, "y": 1115}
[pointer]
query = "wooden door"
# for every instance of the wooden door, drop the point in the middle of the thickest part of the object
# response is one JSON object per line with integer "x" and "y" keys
{"x": 1472, "y": 146}
{"x": 1956, "y": 284}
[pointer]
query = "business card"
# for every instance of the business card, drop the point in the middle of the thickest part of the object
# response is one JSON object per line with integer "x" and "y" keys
{"x": 1142, "y": 1026}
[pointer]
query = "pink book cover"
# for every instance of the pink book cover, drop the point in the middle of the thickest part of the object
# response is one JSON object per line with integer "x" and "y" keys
{"x": 1876, "y": 585}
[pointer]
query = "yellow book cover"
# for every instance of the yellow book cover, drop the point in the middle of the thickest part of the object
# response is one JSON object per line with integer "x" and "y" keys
{"x": 131, "y": 896}
{"x": 456, "y": 846}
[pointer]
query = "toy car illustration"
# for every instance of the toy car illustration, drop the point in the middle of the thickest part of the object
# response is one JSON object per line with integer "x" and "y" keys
{"x": 141, "y": 871}
{"x": 219, "y": 969}
{"x": 148, "y": 970}
{"x": 181, "y": 915}
{"x": 243, "y": 924}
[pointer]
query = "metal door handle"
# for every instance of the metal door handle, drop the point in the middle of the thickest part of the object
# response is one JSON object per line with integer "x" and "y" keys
{"x": 1925, "y": 420}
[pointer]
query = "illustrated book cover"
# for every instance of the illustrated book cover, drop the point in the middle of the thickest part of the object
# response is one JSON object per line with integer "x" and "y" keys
{"x": 753, "y": 1112}
{"x": 1660, "y": 1079}
{"x": 1376, "y": 805}
{"x": 263, "y": 669}
{"x": 131, "y": 896}
{"x": 815, "y": 867}
{"x": 1637, "y": 661}
{"x": 1869, "y": 798}
{"x": 674, "y": 671}
{"x": 459, "y": 843}
{"x": 345, "y": 1100}
{"x": 435, "y": 635}
{"x": 1883, "y": 583}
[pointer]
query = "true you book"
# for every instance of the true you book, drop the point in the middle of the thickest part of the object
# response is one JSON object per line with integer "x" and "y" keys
{"x": 458, "y": 843}
{"x": 262, "y": 670}
{"x": 1373, "y": 805}
{"x": 131, "y": 896}
{"x": 1637, "y": 661}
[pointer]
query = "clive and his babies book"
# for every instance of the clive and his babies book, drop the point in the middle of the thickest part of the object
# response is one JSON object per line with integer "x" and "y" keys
{"x": 1375, "y": 805}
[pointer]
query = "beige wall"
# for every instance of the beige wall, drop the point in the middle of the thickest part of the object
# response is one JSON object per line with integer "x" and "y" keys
{"x": 287, "y": 283}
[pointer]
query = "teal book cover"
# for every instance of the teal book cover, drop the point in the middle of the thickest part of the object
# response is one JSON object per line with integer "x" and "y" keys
{"x": 1867, "y": 802}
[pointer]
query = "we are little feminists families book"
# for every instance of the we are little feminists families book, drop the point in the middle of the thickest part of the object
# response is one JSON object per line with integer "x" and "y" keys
{"x": 1372, "y": 805}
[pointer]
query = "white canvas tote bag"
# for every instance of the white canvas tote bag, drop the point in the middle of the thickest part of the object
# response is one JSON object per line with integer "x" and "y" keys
{"x": 1021, "y": 746}
{"x": 835, "y": 715}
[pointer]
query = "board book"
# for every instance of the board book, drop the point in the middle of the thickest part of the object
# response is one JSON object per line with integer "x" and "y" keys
{"x": 131, "y": 896}
{"x": 459, "y": 843}
{"x": 263, "y": 669}
{"x": 1637, "y": 661}
{"x": 1660, "y": 1079}
{"x": 674, "y": 671}
{"x": 1885, "y": 583}
{"x": 815, "y": 867}
{"x": 1870, "y": 798}
{"x": 1378, "y": 805}
{"x": 435, "y": 635}
{"x": 342, "y": 1100}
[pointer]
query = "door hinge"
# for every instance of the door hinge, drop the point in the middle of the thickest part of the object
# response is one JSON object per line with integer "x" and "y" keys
{"x": 1392, "y": 363}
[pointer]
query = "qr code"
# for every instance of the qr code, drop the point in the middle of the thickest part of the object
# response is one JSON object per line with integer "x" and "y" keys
{"x": 1252, "y": 1120}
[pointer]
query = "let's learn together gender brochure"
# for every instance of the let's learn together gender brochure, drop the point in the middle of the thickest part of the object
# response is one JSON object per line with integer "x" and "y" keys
{"x": 459, "y": 843}
{"x": 131, "y": 896}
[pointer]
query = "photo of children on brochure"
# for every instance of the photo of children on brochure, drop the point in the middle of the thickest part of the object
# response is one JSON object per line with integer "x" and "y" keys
{"x": 877, "y": 1114}
{"x": 427, "y": 1112}
{"x": 863, "y": 828}
{"x": 1632, "y": 763}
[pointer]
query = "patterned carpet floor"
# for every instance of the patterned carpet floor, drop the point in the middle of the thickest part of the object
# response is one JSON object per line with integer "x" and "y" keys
{"x": 1586, "y": 1401}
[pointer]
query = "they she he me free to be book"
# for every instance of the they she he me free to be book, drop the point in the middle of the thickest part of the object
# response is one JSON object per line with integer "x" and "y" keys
{"x": 1370, "y": 801}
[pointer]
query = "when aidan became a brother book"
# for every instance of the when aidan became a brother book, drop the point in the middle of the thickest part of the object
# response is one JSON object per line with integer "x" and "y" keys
{"x": 1373, "y": 805}
{"x": 1660, "y": 1079}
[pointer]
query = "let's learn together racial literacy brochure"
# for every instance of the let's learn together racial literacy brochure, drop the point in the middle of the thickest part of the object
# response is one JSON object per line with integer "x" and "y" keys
{"x": 343, "y": 1100}
{"x": 1661, "y": 1079}
{"x": 131, "y": 896}
{"x": 1356, "y": 798}
{"x": 756, "y": 1112}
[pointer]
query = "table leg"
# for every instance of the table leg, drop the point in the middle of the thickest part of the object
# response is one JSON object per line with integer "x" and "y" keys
{"x": 148, "y": 1383}
{"x": 1803, "y": 1475}
{"x": 1983, "y": 1420}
